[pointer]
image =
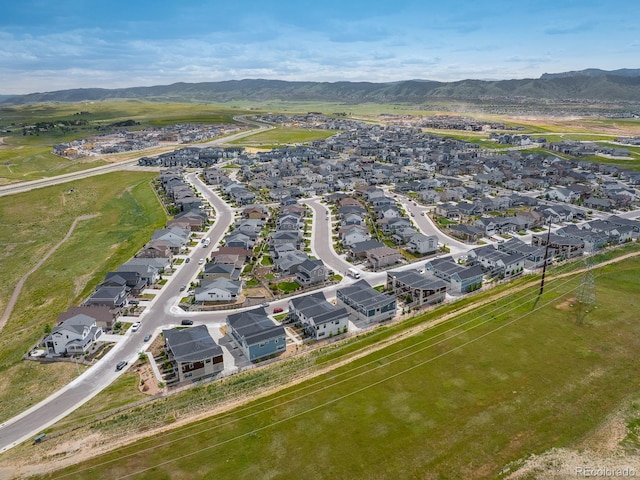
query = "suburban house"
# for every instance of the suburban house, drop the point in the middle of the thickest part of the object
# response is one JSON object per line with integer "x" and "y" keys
{"x": 533, "y": 256}
{"x": 366, "y": 303}
{"x": 592, "y": 240}
{"x": 112, "y": 297}
{"x": 175, "y": 238}
{"x": 289, "y": 262}
{"x": 423, "y": 244}
{"x": 392, "y": 225}
{"x": 351, "y": 234}
{"x": 74, "y": 336}
{"x": 311, "y": 272}
{"x": 562, "y": 247}
{"x": 496, "y": 262}
{"x": 257, "y": 212}
{"x": 212, "y": 271}
{"x": 104, "y": 316}
{"x": 239, "y": 239}
{"x": 281, "y": 237}
{"x": 219, "y": 290}
{"x": 459, "y": 279}
{"x": 384, "y": 256}
{"x": 319, "y": 318}
{"x": 290, "y": 221}
{"x": 416, "y": 289}
{"x": 131, "y": 280}
{"x": 467, "y": 233}
{"x": 360, "y": 249}
{"x": 149, "y": 269}
{"x": 256, "y": 334}
{"x": 155, "y": 249}
{"x": 192, "y": 220}
{"x": 193, "y": 352}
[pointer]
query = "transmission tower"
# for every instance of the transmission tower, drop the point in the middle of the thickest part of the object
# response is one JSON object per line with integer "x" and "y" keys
{"x": 586, "y": 296}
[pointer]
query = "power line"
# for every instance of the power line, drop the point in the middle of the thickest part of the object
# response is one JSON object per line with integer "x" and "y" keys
{"x": 562, "y": 269}
{"x": 334, "y": 400}
{"x": 334, "y": 383}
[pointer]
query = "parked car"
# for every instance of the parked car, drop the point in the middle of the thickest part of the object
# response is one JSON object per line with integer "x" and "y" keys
{"x": 201, "y": 261}
{"x": 121, "y": 364}
{"x": 183, "y": 287}
{"x": 187, "y": 260}
{"x": 147, "y": 337}
{"x": 186, "y": 321}
{"x": 135, "y": 326}
{"x": 278, "y": 310}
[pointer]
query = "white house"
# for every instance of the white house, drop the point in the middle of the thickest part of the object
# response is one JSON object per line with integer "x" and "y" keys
{"x": 73, "y": 336}
{"x": 320, "y": 318}
{"x": 219, "y": 290}
{"x": 423, "y": 244}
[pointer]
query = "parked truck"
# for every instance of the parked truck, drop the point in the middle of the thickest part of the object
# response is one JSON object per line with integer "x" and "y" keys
{"x": 353, "y": 272}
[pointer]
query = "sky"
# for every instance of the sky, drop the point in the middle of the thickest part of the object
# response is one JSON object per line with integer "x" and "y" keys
{"x": 48, "y": 45}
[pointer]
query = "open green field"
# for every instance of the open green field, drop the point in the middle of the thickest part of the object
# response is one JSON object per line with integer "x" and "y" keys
{"x": 28, "y": 156}
{"x": 105, "y": 113}
{"x": 127, "y": 212}
{"x": 280, "y": 136}
{"x": 461, "y": 400}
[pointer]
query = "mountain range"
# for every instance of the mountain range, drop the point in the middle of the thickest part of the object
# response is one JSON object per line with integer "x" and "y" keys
{"x": 591, "y": 85}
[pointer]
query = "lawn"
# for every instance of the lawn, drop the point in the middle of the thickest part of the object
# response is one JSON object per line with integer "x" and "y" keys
{"x": 288, "y": 287}
{"x": 127, "y": 211}
{"x": 461, "y": 400}
{"x": 284, "y": 136}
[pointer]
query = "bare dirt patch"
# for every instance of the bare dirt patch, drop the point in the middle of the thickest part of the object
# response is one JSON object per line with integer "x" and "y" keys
{"x": 600, "y": 454}
{"x": 148, "y": 382}
{"x": 567, "y": 304}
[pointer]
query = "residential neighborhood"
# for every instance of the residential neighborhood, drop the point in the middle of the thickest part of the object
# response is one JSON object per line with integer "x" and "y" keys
{"x": 426, "y": 219}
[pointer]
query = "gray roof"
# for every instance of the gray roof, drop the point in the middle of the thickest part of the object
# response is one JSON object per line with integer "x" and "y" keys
{"x": 316, "y": 307}
{"x": 413, "y": 279}
{"x": 222, "y": 269}
{"x": 255, "y": 326}
{"x": 449, "y": 267}
{"x": 365, "y": 246}
{"x": 192, "y": 344}
{"x": 76, "y": 323}
{"x": 363, "y": 294}
{"x": 231, "y": 286}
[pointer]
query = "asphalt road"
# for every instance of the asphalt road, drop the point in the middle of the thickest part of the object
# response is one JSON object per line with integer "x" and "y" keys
{"x": 160, "y": 313}
{"x": 68, "y": 177}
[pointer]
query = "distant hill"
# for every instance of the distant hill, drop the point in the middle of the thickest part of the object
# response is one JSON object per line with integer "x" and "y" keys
{"x": 594, "y": 72}
{"x": 586, "y": 85}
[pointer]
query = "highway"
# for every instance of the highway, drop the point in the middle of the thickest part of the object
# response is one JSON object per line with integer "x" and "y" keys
{"x": 126, "y": 164}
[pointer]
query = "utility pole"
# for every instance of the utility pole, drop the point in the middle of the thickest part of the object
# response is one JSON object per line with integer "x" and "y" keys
{"x": 586, "y": 297}
{"x": 546, "y": 255}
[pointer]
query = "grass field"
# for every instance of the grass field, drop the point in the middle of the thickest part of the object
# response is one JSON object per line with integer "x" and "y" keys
{"x": 283, "y": 136}
{"x": 29, "y": 157}
{"x": 511, "y": 378}
{"x": 31, "y": 224}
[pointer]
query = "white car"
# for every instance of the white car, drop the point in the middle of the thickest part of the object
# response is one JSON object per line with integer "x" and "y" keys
{"x": 135, "y": 326}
